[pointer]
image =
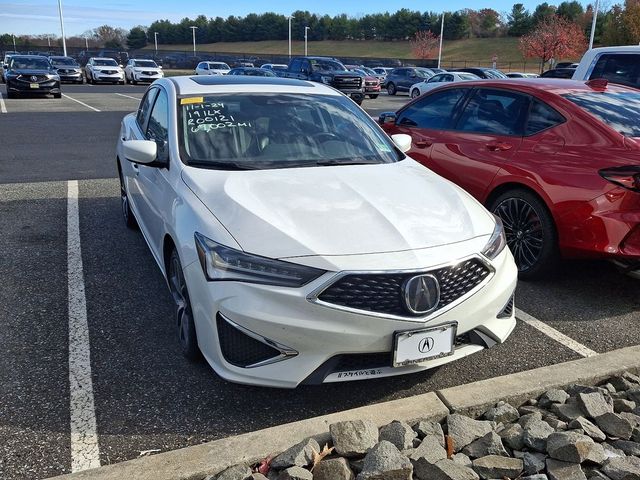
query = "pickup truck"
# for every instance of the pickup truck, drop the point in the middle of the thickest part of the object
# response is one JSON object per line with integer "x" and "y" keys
{"x": 328, "y": 71}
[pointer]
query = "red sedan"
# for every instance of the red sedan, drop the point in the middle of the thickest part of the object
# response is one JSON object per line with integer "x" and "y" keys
{"x": 557, "y": 160}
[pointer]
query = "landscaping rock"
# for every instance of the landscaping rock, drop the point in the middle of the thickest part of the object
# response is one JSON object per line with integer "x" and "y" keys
{"x": 462, "y": 459}
{"x": 596, "y": 475}
{"x": 529, "y": 418}
{"x": 596, "y": 455}
{"x": 398, "y": 433}
{"x": 512, "y": 436}
{"x": 567, "y": 411}
{"x": 300, "y": 455}
{"x": 555, "y": 423}
{"x": 622, "y": 405}
{"x": 490, "y": 444}
{"x": 333, "y": 469}
{"x": 535, "y": 435}
{"x": 569, "y": 446}
{"x": 632, "y": 417}
{"x": 553, "y": 396}
{"x": 443, "y": 470}
{"x": 385, "y": 462}
{"x": 464, "y": 430}
{"x": 622, "y": 468}
{"x": 430, "y": 449}
{"x": 424, "y": 428}
{"x": 258, "y": 476}
{"x": 615, "y": 425}
{"x": 237, "y": 472}
{"x": 589, "y": 428}
{"x": 356, "y": 464}
{"x": 634, "y": 394}
{"x": 502, "y": 413}
{"x": 611, "y": 451}
{"x": 295, "y": 473}
{"x": 621, "y": 383}
{"x": 495, "y": 466}
{"x": 353, "y": 438}
{"x": 594, "y": 404}
{"x": 558, "y": 470}
{"x": 629, "y": 448}
{"x": 533, "y": 462}
{"x": 540, "y": 476}
{"x": 635, "y": 435}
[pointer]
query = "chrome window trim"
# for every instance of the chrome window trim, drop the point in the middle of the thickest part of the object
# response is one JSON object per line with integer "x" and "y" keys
{"x": 285, "y": 352}
{"x": 313, "y": 296}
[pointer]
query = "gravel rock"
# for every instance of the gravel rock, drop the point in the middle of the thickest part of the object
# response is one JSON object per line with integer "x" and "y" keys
{"x": 635, "y": 435}
{"x": 490, "y": 444}
{"x": 632, "y": 417}
{"x": 425, "y": 427}
{"x": 300, "y": 455}
{"x": 629, "y": 448}
{"x": 333, "y": 469}
{"x": 621, "y": 383}
{"x": 495, "y": 466}
{"x": 557, "y": 470}
{"x": 502, "y": 413}
{"x": 556, "y": 423}
{"x": 627, "y": 468}
{"x": 462, "y": 459}
{"x": 295, "y": 473}
{"x": 634, "y": 394}
{"x": 512, "y": 436}
{"x": 540, "y": 476}
{"x": 615, "y": 425}
{"x": 443, "y": 470}
{"x": 596, "y": 475}
{"x": 398, "y": 433}
{"x": 596, "y": 455}
{"x": 237, "y": 472}
{"x": 525, "y": 420}
{"x": 611, "y": 451}
{"x": 430, "y": 449}
{"x": 569, "y": 446}
{"x": 533, "y": 462}
{"x": 567, "y": 411}
{"x": 258, "y": 476}
{"x": 464, "y": 430}
{"x": 553, "y": 396}
{"x": 535, "y": 435}
{"x": 622, "y": 405}
{"x": 589, "y": 428}
{"x": 594, "y": 404}
{"x": 385, "y": 462}
{"x": 527, "y": 410}
{"x": 353, "y": 438}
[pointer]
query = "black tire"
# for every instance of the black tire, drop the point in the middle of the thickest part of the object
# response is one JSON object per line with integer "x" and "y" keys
{"x": 415, "y": 93}
{"x": 391, "y": 89}
{"x": 127, "y": 213}
{"x": 530, "y": 230}
{"x": 57, "y": 95}
{"x": 373, "y": 97}
{"x": 11, "y": 94}
{"x": 134, "y": 81}
{"x": 186, "y": 327}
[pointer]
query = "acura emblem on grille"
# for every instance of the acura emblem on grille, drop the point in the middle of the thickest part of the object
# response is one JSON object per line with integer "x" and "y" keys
{"x": 34, "y": 78}
{"x": 425, "y": 345}
{"x": 421, "y": 293}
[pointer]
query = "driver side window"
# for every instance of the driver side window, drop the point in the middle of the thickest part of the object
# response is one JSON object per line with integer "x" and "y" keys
{"x": 145, "y": 108}
{"x": 435, "y": 111}
{"x": 158, "y": 127}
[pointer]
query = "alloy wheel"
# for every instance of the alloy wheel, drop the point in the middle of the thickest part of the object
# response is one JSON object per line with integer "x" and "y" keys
{"x": 183, "y": 313}
{"x": 523, "y": 229}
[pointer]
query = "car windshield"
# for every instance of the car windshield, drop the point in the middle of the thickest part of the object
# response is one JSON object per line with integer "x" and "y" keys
{"x": 490, "y": 73}
{"x": 262, "y": 131}
{"x": 619, "y": 110}
{"x": 105, "y": 62}
{"x": 145, "y": 63}
{"x": 26, "y": 63}
{"x": 423, "y": 73}
{"x": 327, "y": 65}
{"x": 63, "y": 61}
{"x": 219, "y": 66}
{"x": 468, "y": 76}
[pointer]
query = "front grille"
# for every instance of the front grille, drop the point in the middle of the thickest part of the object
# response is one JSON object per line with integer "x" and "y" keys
{"x": 108, "y": 72}
{"x": 27, "y": 78}
{"x": 383, "y": 293}
{"x": 149, "y": 73}
{"x": 371, "y": 84}
{"x": 240, "y": 349}
{"x": 507, "y": 311}
{"x": 347, "y": 82}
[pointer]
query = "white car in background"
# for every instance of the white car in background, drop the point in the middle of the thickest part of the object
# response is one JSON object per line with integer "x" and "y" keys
{"x": 142, "y": 70}
{"x": 419, "y": 88}
{"x": 521, "y": 75}
{"x": 297, "y": 252}
{"x": 212, "y": 68}
{"x": 616, "y": 64}
{"x": 103, "y": 69}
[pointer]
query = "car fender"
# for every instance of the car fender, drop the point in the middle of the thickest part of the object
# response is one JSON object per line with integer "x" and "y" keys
{"x": 503, "y": 178}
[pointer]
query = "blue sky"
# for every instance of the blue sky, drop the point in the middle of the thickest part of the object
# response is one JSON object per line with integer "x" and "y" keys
{"x": 41, "y": 16}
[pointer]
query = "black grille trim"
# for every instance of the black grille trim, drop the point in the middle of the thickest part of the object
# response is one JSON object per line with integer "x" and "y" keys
{"x": 381, "y": 293}
{"x": 240, "y": 349}
{"x": 507, "y": 311}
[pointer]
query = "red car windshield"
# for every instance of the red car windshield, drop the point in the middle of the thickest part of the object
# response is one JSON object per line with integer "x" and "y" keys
{"x": 619, "y": 110}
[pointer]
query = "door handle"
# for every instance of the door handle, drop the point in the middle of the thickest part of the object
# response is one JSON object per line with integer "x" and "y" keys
{"x": 136, "y": 169}
{"x": 499, "y": 146}
{"x": 422, "y": 142}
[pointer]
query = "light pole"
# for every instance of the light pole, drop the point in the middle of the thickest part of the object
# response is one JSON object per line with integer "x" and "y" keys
{"x": 64, "y": 40}
{"x": 290, "y": 17}
{"x": 441, "y": 34}
{"x": 49, "y": 42}
{"x": 86, "y": 44}
{"x": 14, "y": 42}
{"x": 593, "y": 24}
{"x": 306, "y": 29}
{"x": 193, "y": 31}
{"x": 155, "y": 38}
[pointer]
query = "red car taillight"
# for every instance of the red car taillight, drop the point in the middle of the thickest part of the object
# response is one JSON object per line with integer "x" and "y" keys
{"x": 626, "y": 177}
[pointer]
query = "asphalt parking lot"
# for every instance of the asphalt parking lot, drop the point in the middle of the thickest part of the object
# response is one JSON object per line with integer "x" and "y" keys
{"x": 146, "y": 396}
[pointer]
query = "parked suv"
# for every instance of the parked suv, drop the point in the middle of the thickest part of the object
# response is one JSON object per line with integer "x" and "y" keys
{"x": 103, "y": 69}
{"x": 68, "y": 69}
{"x": 31, "y": 74}
{"x": 617, "y": 64}
{"x": 401, "y": 79}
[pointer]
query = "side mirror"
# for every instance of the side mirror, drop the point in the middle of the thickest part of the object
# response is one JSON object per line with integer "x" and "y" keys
{"x": 387, "y": 118}
{"x": 160, "y": 67}
{"x": 120, "y": 65}
{"x": 144, "y": 152}
{"x": 402, "y": 141}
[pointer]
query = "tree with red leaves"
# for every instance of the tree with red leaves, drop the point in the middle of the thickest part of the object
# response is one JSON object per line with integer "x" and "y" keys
{"x": 554, "y": 37}
{"x": 423, "y": 44}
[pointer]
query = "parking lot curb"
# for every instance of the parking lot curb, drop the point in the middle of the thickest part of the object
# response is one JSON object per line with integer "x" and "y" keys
{"x": 193, "y": 463}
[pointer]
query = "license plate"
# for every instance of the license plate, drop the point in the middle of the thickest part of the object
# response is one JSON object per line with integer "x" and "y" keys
{"x": 427, "y": 344}
{"x": 34, "y": 85}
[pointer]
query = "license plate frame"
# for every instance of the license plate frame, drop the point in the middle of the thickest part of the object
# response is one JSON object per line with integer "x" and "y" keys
{"x": 442, "y": 336}
{"x": 34, "y": 85}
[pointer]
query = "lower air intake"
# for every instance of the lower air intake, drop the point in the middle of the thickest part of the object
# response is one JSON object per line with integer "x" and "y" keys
{"x": 240, "y": 349}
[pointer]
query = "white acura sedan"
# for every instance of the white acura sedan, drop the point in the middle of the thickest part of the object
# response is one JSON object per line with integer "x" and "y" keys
{"x": 300, "y": 244}
{"x": 420, "y": 88}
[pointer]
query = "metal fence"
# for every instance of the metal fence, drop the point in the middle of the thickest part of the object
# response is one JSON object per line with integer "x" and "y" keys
{"x": 186, "y": 60}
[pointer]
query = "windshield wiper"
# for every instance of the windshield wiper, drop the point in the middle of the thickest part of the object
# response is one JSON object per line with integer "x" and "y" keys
{"x": 347, "y": 161}
{"x": 216, "y": 165}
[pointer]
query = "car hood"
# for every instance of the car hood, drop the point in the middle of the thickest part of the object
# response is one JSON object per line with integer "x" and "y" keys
{"x": 31, "y": 71}
{"x": 339, "y": 210}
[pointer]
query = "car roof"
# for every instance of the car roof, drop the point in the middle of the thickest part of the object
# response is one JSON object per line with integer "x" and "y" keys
{"x": 102, "y": 58}
{"x": 203, "y": 85}
{"x": 623, "y": 48}
{"x": 556, "y": 86}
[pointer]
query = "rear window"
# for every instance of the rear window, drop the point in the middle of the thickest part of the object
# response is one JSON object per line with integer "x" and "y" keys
{"x": 621, "y": 68}
{"x": 619, "y": 110}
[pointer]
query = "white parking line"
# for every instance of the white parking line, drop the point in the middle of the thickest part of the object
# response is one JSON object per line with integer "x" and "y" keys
{"x": 84, "y": 435}
{"x": 555, "y": 334}
{"x": 3, "y": 107}
{"x": 128, "y": 96}
{"x": 81, "y": 103}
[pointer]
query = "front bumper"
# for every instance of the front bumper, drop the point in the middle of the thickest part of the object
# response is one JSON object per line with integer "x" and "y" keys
{"x": 104, "y": 77}
{"x": 142, "y": 77}
{"x": 372, "y": 88}
{"x": 321, "y": 336}
{"x": 70, "y": 77}
{"x": 46, "y": 87}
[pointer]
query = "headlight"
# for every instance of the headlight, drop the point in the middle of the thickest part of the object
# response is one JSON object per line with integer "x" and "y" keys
{"x": 326, "y": 79}
{"x": 497, "y": 242}
{"x": 224, "y": 263}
